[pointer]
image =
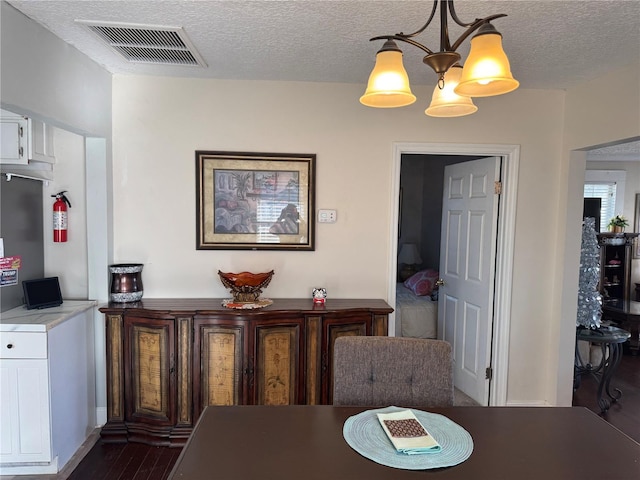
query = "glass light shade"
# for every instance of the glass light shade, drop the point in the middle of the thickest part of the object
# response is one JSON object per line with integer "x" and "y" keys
{"x": 445, "y": 102}
{"x": 409, "y": 254}
{"x": 486, "y": 71}
{"x": 388, "y": 85}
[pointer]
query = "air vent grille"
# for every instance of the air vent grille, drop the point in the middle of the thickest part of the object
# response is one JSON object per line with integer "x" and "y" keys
{"x": 148, "y": 44}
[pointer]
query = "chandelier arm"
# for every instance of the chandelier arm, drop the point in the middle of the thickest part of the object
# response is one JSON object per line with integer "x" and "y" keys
{"x": 455, "y": 17}
{"x": 473, "y": 27}
{"x": 403, "y": 38}
{"x": 424, "y": 27}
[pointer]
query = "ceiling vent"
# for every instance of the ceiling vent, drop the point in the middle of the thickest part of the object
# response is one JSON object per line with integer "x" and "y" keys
{"x": 154, "y": 44}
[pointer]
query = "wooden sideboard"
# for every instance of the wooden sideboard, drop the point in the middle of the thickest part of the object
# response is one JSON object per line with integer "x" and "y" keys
{"x": 167, "y": 359}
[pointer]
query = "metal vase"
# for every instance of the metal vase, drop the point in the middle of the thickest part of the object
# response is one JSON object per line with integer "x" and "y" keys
{"x": 126, "y": 282}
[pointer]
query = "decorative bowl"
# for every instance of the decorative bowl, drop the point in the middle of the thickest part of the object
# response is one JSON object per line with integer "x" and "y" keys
{"x": 245, "y": 286}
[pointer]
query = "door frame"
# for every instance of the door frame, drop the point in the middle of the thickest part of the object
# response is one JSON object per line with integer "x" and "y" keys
{"x": 505, "y": 245}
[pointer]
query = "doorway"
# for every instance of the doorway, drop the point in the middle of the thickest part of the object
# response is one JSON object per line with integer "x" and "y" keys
{"x": 505, "y": 239}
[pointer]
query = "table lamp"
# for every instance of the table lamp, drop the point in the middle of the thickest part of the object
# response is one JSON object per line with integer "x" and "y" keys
{"x": 408, "y": 258}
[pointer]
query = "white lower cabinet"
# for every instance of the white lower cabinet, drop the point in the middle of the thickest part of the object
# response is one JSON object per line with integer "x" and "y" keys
{"x": 47, "y": 391}
{"x": 25, "y": 436}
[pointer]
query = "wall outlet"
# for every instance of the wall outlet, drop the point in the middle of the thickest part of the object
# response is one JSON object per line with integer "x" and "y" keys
{"x": 327, "y": 216}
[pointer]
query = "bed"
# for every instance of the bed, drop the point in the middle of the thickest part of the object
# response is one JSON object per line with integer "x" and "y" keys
{"x": 417, "y": 315}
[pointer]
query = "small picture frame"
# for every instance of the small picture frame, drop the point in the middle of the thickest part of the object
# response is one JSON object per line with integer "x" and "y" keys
{"x": 255, "y": 201}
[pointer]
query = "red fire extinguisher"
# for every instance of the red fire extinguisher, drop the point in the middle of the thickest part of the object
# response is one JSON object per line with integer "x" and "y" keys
{"x": 60, "y": 221}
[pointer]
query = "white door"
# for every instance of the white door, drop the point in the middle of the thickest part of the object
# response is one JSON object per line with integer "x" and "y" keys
{"x": 467, "y": 268}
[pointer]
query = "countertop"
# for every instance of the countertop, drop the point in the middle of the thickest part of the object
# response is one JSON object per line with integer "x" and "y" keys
{"x": 20, "y": 319}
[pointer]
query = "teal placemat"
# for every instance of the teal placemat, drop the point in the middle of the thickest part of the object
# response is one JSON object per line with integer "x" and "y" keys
{"x": 365, "y": 435}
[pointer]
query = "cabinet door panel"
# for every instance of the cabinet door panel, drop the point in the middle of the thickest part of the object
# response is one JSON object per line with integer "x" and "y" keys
{"x": 219, "y": 371}
{"x": 149, "y": 376}
{"x": 24, "y": 396}
{"x": 277, "y": 369}
{"x": 335, "y": 327}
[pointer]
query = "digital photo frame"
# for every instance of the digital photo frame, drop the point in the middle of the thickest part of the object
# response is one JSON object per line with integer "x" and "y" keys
{"x": 42, "y": 293}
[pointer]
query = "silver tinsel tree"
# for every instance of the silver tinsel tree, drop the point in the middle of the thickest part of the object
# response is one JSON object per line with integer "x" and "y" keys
{"x": 589, "y": 299}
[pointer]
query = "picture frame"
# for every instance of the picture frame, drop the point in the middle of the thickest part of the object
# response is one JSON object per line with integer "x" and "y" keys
{"x": 255, "y": 201}
{"x": 636, "y": 228}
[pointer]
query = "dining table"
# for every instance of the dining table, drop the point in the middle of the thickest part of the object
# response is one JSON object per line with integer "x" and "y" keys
{"x": 309, "y": 442}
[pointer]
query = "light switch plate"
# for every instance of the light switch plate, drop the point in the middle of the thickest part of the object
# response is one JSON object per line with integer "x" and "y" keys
{"x": 327, "y": 216}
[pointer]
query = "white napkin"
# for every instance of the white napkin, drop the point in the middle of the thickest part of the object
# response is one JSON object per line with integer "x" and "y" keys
{"x": 407, "y": 434}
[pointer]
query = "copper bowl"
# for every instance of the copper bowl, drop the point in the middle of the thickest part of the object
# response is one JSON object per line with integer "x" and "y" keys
{"x": 245, "y": 286}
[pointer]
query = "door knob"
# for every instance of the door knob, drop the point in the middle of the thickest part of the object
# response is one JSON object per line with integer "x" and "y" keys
{"x": 439, "y": 282}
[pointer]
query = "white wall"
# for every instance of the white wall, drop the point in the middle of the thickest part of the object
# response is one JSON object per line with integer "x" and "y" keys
{"x": 43, "y": 77}
{"x": 160, "y": 122}
{"x": 46, "y": 78}
{"x": 68, "y": 260}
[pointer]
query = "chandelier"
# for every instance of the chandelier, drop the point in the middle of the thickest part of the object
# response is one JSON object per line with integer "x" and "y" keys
{"x": 486, "y": 71}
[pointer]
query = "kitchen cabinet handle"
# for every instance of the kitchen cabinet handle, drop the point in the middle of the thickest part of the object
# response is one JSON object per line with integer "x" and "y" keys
{"x": 10, "y": 345}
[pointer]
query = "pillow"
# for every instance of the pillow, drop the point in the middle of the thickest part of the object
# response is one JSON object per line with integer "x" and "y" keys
{"x": 422, "y": 283}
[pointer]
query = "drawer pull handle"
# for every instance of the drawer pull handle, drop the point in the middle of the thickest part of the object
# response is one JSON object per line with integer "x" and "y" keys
{"x": 10, "y": 345}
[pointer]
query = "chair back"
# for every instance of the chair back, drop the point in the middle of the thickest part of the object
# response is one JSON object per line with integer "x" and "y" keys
{"x": 372, "y": 371}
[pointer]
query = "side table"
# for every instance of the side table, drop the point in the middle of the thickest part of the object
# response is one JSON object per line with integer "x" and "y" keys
{"x": 627, "y": 315}
{"x": 610, "y": 340}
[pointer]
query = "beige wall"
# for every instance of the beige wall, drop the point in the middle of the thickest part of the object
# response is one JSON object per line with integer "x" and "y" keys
{"x": 160, "y": 122}
{"x": 602, "y": 111}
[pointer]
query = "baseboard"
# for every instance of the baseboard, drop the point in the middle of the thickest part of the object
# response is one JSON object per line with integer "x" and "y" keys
{"x": 101, "y": 416}
{"x": 34, "y": 469}
{"x": 537, "y": 403}
{"x": 77, "y": 457}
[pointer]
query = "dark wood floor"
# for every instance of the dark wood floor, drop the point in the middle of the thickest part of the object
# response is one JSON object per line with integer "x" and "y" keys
{"x": 126, "y": 461}
{"x": 139, "y": 462}
{"x": 625, "y": 413}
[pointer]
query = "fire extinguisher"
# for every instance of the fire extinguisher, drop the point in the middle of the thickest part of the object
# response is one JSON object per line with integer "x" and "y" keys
{"x": 60, "y": 221}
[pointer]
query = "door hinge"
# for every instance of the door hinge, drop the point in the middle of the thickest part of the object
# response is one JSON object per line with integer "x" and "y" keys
{"x": 488, "y": 373}
{"x": 497, "y": 187}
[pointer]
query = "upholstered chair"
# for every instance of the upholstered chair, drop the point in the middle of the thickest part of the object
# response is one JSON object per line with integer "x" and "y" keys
{"x": 380, "y": 371}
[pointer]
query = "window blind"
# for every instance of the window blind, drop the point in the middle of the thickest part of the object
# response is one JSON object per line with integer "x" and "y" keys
{"x": 607, "y": 193}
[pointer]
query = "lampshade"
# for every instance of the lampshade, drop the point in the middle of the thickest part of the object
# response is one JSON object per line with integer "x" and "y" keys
{"x": 409, "y": 254}
{"x": 388, "y": 85}
{"x": 486, "y": 71}
{"x": 445, "y": 102}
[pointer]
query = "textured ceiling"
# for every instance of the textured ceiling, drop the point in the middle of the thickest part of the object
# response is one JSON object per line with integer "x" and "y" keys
{"x": 625, "y": 152}
{"x": 552, "y": 44}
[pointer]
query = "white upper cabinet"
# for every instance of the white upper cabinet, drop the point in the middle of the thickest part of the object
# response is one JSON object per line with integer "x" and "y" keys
{"x": 24, "y": 139}
{"x": 13, "y": 139}
{"x": 41, "y": 145}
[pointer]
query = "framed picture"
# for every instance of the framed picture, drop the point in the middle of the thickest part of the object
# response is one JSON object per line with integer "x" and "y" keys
{"x": 636, "y": 228}
{"x": 255, "y": 201}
